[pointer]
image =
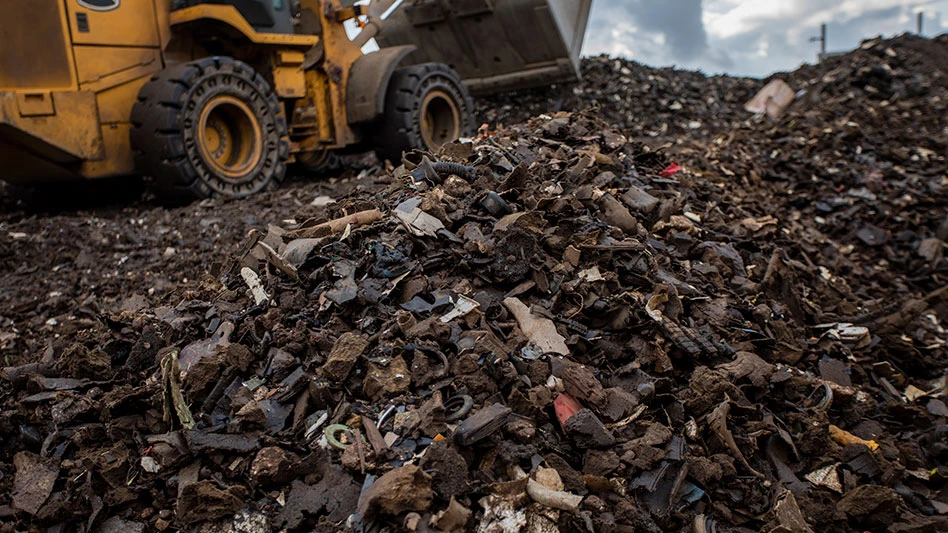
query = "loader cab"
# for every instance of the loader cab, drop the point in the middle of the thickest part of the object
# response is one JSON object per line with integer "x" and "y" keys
{"x": 266, "y": 16}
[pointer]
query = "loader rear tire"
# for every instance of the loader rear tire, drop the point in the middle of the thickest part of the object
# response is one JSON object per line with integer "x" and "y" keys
{"x": 426, "y": 106}
{"x": 209, "y": 128}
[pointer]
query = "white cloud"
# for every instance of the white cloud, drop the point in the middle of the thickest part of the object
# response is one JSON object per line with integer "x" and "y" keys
{"x": 752, "y": 37}
{"x": 731, "y": 18}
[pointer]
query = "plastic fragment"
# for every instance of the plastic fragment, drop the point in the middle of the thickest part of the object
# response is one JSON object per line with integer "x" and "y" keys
{"x": 670, "y": 170}
{"x": 826, "y": 477}
{"x": 256, "y": 287}
{"x": 845, "y": 438}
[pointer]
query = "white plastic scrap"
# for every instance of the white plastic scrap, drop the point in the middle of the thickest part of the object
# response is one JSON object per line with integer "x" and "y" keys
{"x": 551, "y": 497}
{"x": 321, "y": 201}
{"x": 591, "y": 274}
{"x": 417, "y": 221}
{"x": 462, "y": 307}
{"x": 149, "y": 464}
{"x": 501, "y": 516}
{"x": 540, "y": 330}
{"x": 826, "y": 477}
{"x": 256, "y": 288}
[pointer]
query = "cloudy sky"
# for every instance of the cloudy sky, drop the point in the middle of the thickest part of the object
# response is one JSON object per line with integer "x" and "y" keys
{"x": 747, "y": 37}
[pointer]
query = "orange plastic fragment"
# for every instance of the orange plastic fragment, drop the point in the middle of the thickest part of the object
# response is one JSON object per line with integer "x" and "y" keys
{"x": 845, "y": 438}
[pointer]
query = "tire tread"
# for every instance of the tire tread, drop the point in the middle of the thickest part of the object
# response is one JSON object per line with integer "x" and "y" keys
{"x": 399, "y": 130}
{"x": 157, "y": 135}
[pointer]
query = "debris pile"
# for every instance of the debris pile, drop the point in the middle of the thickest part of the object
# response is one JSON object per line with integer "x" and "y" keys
{"x": 640, "y": 101}
{"x": 856, "y": 171}
{"x": 555, "y": 328}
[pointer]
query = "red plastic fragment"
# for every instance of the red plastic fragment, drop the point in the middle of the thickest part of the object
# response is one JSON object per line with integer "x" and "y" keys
{"x": 565, "y": 407}
{"x": 670, "y": 170}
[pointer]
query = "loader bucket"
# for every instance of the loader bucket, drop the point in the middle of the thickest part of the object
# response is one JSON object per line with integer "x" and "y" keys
{"x": 494, "y": 45}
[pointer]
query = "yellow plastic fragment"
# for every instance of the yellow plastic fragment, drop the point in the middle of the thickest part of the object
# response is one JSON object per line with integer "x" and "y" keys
{"x": 844, "y": 438}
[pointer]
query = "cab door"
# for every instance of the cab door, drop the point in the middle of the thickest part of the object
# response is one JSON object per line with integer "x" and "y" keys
{"x": 113, "y": 22}
{"x": 117, "y": 48}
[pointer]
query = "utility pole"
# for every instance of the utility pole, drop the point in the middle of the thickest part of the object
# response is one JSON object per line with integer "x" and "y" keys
{"x": 822, "y": 40}
{"x": 921, "y": 20}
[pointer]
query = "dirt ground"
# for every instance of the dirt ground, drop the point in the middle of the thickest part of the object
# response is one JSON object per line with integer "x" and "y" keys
{"x": 65, "y": 260}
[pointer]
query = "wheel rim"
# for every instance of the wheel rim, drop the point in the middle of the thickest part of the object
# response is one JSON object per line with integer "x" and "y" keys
{"x": 230, "y": 138}
{"x": 313, "y": 160}
{"x": 440, "y": 119}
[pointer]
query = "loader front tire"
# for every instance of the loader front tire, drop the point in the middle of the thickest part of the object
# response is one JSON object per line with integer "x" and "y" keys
{"x": 209, "y": 128}
{"x": 426, "y": 107}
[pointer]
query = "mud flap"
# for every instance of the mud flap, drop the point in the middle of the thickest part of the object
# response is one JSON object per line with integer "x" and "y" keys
{"x": 368, "y": 83}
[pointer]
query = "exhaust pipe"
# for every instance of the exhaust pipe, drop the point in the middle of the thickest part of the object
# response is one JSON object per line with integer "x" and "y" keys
{"x": 378, "y": 12}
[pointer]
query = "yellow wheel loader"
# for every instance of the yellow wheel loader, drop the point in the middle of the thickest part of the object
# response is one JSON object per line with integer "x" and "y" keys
{"x": 217, "y": 97}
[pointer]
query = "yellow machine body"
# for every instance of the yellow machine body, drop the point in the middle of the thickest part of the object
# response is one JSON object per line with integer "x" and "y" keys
{"x": 70, "y": 73}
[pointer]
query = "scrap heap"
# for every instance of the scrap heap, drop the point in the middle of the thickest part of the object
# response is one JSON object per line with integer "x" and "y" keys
{"x": 641, "y": 101}
{"x": 553, "y": 328}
